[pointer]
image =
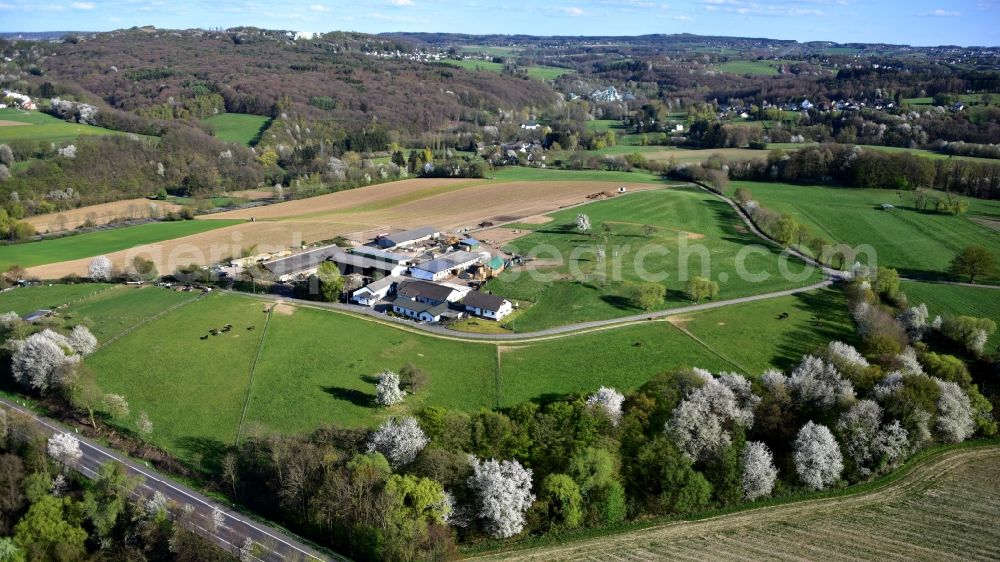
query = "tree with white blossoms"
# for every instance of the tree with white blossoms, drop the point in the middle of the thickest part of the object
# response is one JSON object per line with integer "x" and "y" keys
{"x": 914, "y": 320}
{"x": 64, "y": 448}
{"x": 144, "y": 424}
{"x": 9, "y": 321}
{"x": 100, "y": 268}
{"x": 503, "y": 494}
{"x": 954, "y": 422}
{"x": 700, "y": 425}
{"x": 248, "y": 551}
{"x": 82, "y": 341}
{"x": 818, "y": 461}
{"x": 842, "y": 356}
{"x": 387, "y": 391}
{"x": 609, "y": 401}
{"x": 583, "y": 223}
{"x": 156, "y": 505}
{"x": 116, "y": 406}
{"x": 218, "y": 519}
{"x": 871, "y": 445}
{"x": 759, "y": 472}
{"x": 36, "y": 361}
{"x": 818, "y": 383}
{"x": 399, "y": 441}
{"x": 908, "y": 362}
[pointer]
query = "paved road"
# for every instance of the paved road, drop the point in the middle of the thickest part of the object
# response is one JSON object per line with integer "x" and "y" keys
{"x": 236, "y": 528}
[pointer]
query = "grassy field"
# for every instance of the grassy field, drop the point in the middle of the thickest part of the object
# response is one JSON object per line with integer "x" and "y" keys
{"x": 192, "y": 390}
{"x": 120, "y": 308}
{"x": 549, "y": 369}
{"x": 680, "y": 220}
{"x": 536, "y": 72}
{"x": 965, "y": 98}
{"x": 25, "y": 300}
{"x": 101, "y": 242}
{"x": 237, "y": 127}
{"x": 957, "y": 301}
{"x": 941, "y": 509}
{"x": 603, "y": 125}
{"x": 753, "y": 338}
{"x": 914, "y": 242}
{"x": 302, "y": 381}
{"x": 917, "y": 151}
{"x": 43, "y": 127}
{"x": 315, "y": 367}
{"x": 752, "y": 67}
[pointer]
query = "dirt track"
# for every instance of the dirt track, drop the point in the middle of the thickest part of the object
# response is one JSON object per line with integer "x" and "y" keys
{"x": 944, "y": 509}
{"x": 359, "y": 214}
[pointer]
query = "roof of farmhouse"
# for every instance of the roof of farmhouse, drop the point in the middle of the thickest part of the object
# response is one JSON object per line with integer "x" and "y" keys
{"x": 485, "y": 301}
{"x": 301, "y": 262}
{"x": 448, "y": 261}
{"x": 409, "y": 235}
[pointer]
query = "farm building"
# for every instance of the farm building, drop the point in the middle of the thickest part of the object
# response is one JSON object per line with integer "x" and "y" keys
{"x": 368, "y": 267}
{"x": 371, "y": 294}
{"x": 487, "y": 305}
{"x": 470, "y": 244}
{"x": 417, "y": 310}
{"x": 381, "y": 255}
{"x": 431, "y": 293}
{"x": 445, "y": 266}
{"x": 37, "y": 315}
{"x": 407, "y": 237}
{"x": 300, "y": 265}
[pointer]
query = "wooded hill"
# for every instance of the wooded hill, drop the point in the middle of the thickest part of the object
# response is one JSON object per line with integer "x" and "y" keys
{"x": 257, "y": 71}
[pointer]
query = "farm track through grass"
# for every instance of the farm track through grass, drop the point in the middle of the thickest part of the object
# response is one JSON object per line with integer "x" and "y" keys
{"x": 253, "y": 369}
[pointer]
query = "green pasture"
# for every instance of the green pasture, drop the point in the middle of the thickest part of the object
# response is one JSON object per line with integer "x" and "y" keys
{"x": 25, "y": 300}
{"x": 43, "y": 127}
{"x": 192, "y": 389}
{"x": 316, "y": 367}
{"x": 756, "y": 336}
{"x": 77, "y": 246}
{"x": 121, "y": 308}
{"x": 623, "y": 358}
{"x": 699, "y": 233}
{"x": 752, "y": 67}
{"x": 956, "y": 300}
{"x": 890, "y": 149}
{"x": 319, "y": 368}
{"x": 240, "y": 128}
{"x": 917, "y": 243}
{"x": 536, "y": 72}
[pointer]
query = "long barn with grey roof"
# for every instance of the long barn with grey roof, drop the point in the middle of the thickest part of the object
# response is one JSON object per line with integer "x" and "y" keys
{"x": 300, "y": 265}
{"x": 407, "y": 237}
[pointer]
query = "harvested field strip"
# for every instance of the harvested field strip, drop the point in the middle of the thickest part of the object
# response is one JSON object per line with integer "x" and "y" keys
{"x": 943, "y": 508}
{"x": 390, "y": 202}
{"x": 100, "y": 214}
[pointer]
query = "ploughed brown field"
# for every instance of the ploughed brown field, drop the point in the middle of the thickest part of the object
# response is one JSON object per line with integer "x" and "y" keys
{"x": 359, "y": 214}
{"x": 100, "y": 214}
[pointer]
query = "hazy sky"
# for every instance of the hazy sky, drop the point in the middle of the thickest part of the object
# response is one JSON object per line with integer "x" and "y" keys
{"x": 915, "y": 22}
